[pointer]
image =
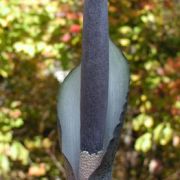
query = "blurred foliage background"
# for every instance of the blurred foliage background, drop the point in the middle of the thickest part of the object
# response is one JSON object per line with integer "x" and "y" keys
{"x": 40, "y": 40}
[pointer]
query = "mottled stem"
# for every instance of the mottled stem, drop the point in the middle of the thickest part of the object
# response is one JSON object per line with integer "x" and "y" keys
{"x": 94, "y": 75}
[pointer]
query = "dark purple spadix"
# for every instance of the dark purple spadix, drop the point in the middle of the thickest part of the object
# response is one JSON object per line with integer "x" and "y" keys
{"x": 94, "y": 75}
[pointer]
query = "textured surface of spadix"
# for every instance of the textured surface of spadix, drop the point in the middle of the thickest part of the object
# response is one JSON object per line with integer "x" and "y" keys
{"x": 69, "y": 106}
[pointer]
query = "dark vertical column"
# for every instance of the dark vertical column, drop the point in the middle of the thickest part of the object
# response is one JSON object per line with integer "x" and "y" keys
{"x": 94, "y": 75}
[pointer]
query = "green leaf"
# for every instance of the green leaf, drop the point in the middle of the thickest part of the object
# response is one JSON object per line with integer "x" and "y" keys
{"x": 4, "y": 163}
{"x": 144, "y": 143}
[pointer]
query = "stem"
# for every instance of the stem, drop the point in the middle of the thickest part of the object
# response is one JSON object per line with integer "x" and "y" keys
{"x": 94, "y": 75}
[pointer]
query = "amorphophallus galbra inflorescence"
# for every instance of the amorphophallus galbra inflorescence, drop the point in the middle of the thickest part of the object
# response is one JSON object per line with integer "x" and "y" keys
{"x": 92, "y": 100}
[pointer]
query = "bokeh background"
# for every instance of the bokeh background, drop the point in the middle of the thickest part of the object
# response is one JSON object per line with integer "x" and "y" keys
{"x": 40, "y": 42}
